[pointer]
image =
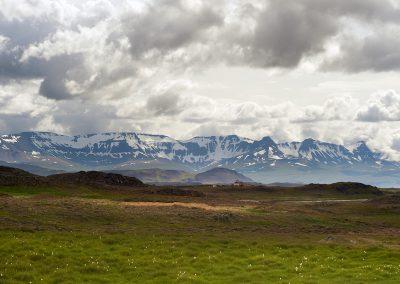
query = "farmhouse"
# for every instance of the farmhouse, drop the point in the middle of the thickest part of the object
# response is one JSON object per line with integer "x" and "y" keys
{"x": 238, "y": 183}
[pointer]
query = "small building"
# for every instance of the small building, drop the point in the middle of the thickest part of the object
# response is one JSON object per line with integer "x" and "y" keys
{"x": 238, "y": 183}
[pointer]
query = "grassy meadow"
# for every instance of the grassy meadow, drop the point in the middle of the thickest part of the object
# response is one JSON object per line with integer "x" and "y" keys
{"x": 64, "y": 235}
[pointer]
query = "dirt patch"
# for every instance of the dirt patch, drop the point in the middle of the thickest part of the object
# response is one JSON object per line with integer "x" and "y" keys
{"x": 176, "y": 191}
{"x": 202, "y": 206}
{"x": 326, "y": 201}
{"x": 250, "y": 201}
{"x": 5, "y": 195}
{"x": 389, "y": 199}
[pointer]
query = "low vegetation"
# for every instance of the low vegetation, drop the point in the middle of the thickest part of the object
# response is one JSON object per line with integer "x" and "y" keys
{"x": 198, "y": 234}
{"x": 115, "y": 258}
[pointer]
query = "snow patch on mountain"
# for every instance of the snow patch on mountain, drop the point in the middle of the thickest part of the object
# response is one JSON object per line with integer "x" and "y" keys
{"x": 290, "y": 149}
{"x": 135, "y": 149}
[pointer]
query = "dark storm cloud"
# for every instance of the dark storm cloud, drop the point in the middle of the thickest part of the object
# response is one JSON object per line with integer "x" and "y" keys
{"x": 167, "y": 104}
{"x": 288, "y": 31}
{"x": 53, "y": 85}
{"x": 52, "y": 71}
{"x": 380, "y": 52}
{"x": 168, "y": 25}
{"x": 19, "y": 36}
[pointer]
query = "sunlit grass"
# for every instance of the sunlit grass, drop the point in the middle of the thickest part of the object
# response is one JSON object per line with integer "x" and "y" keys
{"x": 68, "y": 235}
{"x": 55, "y": 257}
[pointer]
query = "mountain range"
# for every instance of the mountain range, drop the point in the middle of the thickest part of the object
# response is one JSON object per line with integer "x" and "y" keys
{"x": 262, "y": 160}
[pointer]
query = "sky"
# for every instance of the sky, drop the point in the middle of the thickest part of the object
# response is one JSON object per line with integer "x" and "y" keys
{"x": 325, "y": 69}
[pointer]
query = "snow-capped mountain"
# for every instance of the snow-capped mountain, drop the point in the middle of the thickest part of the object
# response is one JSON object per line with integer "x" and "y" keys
{"x": 106, "y": 149}
{"x": 263, "y": 159}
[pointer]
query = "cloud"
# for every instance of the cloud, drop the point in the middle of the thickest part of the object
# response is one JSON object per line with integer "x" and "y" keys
{"x": 165, "y": 104}
{"x": 378, "y": 52}
{"x": 85, "y": 49}
{"x": 19, "y": 35}
{"x": 339, "y": 108}
{"x": 210, "y": 129}
{"x": 168, "y": 25}
{"x": 59, "y": 47}
{"x": 22, "y": 100}
{"x": 285, "y": 33}
{"x": 381, "y": 107}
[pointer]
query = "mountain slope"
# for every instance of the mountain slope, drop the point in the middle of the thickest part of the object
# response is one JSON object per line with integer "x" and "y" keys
{"x": 94, "y": 178}
{"x": 159, "y": 176}
{"x": 36, "y": 170}
{"x": 123, "y": 149}
{"x": 263, "y": 160}
{"x": 12, "y": 176}
{"x": 221, "y": 176}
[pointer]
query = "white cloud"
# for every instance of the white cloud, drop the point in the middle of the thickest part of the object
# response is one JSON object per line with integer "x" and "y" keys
{"x": 339, "y": 108}
{"x": 381, "y": 107}
{"x": 23, "y": 100}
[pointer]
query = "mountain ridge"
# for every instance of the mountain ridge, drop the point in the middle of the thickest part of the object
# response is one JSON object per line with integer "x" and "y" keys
{"x": 259, "y": 159}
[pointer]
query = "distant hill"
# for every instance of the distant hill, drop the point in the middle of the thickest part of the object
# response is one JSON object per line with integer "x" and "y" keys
{"x": 349, "y": 188}
{"x": 32, "y": 169}
{"x": 12, "y": 176}
{"x": 94, "y": 178}
{"x": 284, "y": 184}
{"x": 159, "y": 176}
{"x": 10, "y": 171}
{"x": 221, "y": 176}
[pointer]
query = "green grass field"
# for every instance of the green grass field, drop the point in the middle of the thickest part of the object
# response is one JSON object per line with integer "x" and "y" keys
{"x": 50, "y": 235}
{"x": 118, "y": 258}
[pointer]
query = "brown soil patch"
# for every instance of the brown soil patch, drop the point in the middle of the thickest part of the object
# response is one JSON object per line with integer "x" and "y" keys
{"x": 202, "y": 206}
